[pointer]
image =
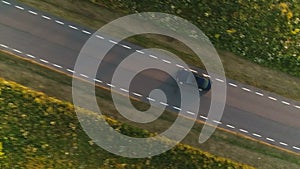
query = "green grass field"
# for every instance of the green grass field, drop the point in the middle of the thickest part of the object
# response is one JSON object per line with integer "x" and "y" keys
{"x": 41, "y": 132}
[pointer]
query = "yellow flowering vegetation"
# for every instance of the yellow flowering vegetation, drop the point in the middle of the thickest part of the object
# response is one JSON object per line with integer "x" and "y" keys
{"x": 38, "y": 131}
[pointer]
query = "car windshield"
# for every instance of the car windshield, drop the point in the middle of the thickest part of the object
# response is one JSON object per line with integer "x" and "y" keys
{"x": 202, "y": 82}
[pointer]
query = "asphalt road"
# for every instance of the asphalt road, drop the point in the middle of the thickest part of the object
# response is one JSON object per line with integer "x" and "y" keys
{"x": 56, "y": 43}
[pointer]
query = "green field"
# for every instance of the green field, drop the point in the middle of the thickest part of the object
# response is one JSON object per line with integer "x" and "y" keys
{"x": 38, "y": 131}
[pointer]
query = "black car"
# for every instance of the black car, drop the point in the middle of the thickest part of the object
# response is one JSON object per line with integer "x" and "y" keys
{"x": 204, "y": 83}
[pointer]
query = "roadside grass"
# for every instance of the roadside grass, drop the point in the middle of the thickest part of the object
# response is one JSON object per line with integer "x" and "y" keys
{"x": 224, "y": 144}
{"x": 43, "y": 132}
{"x": 236, "y": 68}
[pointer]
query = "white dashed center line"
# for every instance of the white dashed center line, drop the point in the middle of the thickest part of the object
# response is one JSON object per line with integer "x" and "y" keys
{"x": 4, "y": 46}
{"x": 72, "y": 27}
{"x": 219, "y": 80}
{"x": 286, "y": 103}
{"x": 189, "y": 112}
{"x": 246, "y": 89}
{"x": 203, "y": 117}
{"x": 230, "y": 126}
{"x": 136, "y": 94}
{"x": 260, "y": 94}
{"x": 58, "y": 66}
{"x": 232, "y": 84}
{"x": 153, "y": 56}
{"x": 69, "y": 70}
{"x": 5, "y": 2}
{"x": 244, "y": 131}
{"x": 113, "y": 42}
{"x": 18, "y": 7}
{"x": 45, "y": 61}
{"x": 124, "y": 90}
{"x": 97, "y": 80}
{"x": 59, "y": 22}
{"x": 34, "y": 13}
{"x": 282, "y": 143}
{"x": 83, "y": 75}
{"x": 31, "y": 56}
{"x": 139, "y": 51}
{"x": 100, "y": 37}
{"x": 256, "y": 135}
{"x": 272, "y": 98}
{"x": 162, "y": 103}
{"x": 46, "y": 17}
{"x": 177, "y": 108}
{"x": 86, "y": 32}
{"x": 125, "y": 46}
{"x": 269, "y": 139}
{"x": 149, "y": 98}
{"x": 166, "y": 61}
{"x": 110, "y": 85}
